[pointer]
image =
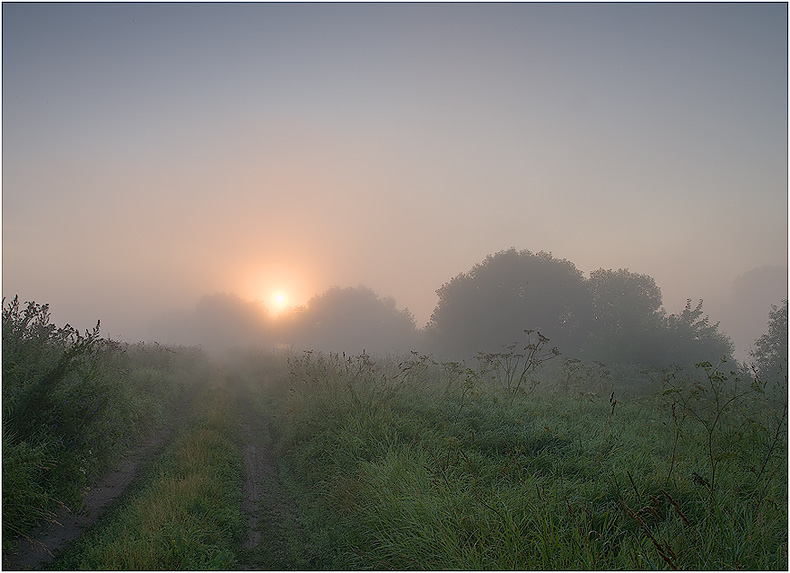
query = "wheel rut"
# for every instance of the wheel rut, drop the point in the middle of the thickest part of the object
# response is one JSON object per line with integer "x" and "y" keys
{"x": 273, "y": 540}
{"x": 43, "y": 545}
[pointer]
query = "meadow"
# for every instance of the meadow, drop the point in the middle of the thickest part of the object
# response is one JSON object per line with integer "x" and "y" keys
{"x": 522, "y": 459}
{"x": 415, "y": 464}
{"x": 185, "y": 514}
{"x": 73, "y": 404}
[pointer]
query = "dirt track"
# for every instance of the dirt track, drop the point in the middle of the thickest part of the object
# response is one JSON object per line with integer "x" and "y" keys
{"x": 44, "y": 544}
{"x": 273, "y": 538}
{"x": 273, "y": 541}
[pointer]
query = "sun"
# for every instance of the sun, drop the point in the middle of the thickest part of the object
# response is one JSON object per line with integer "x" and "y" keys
{"x": 279, "y": 301}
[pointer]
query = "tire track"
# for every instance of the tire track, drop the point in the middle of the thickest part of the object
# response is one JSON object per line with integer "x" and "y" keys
{"x": 43, "y": 545}
{"x": 274, "y": 540}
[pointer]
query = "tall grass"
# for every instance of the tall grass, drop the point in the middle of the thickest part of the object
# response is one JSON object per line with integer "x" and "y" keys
{"x": 72, "y": 404}
{"x": 416, "y": 464}
{"x": 187, "y": 514}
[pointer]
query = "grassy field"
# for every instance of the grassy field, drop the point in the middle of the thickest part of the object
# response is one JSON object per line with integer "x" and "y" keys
{"x": 186, "y": 514}
{"x": 413, "y": 465}
{"x": 360, "y": 462}
{"x": 73, "y": 404}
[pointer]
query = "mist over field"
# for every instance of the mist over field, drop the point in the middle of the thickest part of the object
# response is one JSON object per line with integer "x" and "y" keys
{"x": 395, "y": 286}
{"x": 488, "y": 308}
{"x": 312, "y": 176}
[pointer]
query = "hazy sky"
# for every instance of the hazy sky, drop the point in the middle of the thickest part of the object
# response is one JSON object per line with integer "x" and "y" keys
{"x": 155, "y": 153}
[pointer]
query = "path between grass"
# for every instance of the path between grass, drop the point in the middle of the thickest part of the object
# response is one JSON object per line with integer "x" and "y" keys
{"x": 44, "y": 544}
{"x": 274, "y": 540}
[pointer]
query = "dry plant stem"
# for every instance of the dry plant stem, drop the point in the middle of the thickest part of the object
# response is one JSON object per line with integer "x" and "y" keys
{"x": 719, "y": 406}
{"x": 613, "y": 402}
{"x": 676, "y": 506}
{"x": 711, "y": 433}
{"x": 636, "y": 491}
{"x": 773, "y": 443}
{"x": 438, "y": 465}
{"x": 675, "y": 438}
{"x": 665, "y": 551}
{"x": 768, "y": 456}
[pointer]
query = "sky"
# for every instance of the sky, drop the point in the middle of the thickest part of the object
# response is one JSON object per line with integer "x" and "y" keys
{"x": 156, "y": 153}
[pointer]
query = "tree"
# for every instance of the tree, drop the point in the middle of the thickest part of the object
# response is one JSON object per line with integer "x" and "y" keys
{"x": 491, "y": 305}
{"x": 689, "y": 337}
{"x": 350, "y": 320}
{"x": 226, "y": 320}
{"x": 770, "y": 350}
{"x": 627, "y": 317}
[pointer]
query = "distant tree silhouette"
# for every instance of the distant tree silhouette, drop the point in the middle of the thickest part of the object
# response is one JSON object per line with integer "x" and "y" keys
{"x": 769, "y": 355}
{"x": 350, "y": 320}
{"x": 491, "y": 305}
{"x": 612, "y": 317}
{"x": 627, "y": 317}
{"x": 226, "y": 320}
{"x": 689, "y": 337}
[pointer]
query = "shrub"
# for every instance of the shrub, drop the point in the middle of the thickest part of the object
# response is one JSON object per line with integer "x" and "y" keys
{"x": 72, "y": 403}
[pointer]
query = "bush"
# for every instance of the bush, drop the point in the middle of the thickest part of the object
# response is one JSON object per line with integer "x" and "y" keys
{"x": 72, "y": 404}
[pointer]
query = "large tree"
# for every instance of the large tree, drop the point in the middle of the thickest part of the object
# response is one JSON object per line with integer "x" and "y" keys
{"x": 510, "y": 291}
{"x": 627, "y": 317}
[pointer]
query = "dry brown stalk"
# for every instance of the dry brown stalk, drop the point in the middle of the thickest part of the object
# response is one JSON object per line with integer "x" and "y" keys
{"x": 664, "y": 550}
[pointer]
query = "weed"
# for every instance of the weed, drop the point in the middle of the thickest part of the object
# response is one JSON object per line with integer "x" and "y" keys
{"x": 72, "y": 404}
{"x": 438, "y": 472}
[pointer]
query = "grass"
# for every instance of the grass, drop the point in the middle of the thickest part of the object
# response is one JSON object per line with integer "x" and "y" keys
{"x": 73, "y": 403}
{"x": 435, "y": 472}
{"x": 187, "y": 514}
{"x": 396, "y": 463}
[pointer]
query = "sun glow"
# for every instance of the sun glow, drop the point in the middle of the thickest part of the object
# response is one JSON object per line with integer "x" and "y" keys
{"x": 279, "y": 301}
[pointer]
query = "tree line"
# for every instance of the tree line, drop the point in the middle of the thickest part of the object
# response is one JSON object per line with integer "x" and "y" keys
{"x": 614, "y": 316}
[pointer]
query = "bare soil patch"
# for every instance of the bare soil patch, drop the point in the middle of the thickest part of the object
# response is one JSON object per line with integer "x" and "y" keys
{"x": 44, "y": 544}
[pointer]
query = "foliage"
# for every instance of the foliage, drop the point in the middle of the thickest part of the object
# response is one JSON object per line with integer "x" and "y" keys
{"x": 689, "y": 335}
{"x": 613, "y": 317}
{"x": 485, "y": 308}
{"x": 72, "y": 404}
{"x": 627, "y": 317}
{"x": 770, "y": 350}
{"x": 395, "y": 467}
{"x": 187, "y": 515}
{"x": 351, "y": 320}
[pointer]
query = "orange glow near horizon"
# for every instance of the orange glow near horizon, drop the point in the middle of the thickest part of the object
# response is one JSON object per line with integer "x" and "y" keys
{"x": 276, "y": 287}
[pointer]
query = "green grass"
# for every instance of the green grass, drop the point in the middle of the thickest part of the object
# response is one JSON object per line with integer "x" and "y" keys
{"x": 437, "y": 472}
{"x": 401, "y": 463}
{"x": 186, "y": 514}
{"x": 72, "y": 405}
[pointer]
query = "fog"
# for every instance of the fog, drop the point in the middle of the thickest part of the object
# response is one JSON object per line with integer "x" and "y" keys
{"x": 616, "y": 316}
{"x": 169, "y": 168}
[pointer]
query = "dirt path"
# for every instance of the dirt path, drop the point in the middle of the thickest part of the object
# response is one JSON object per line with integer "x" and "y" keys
{"x": 273, "y": 541}
{"x": 44, "y": 544}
